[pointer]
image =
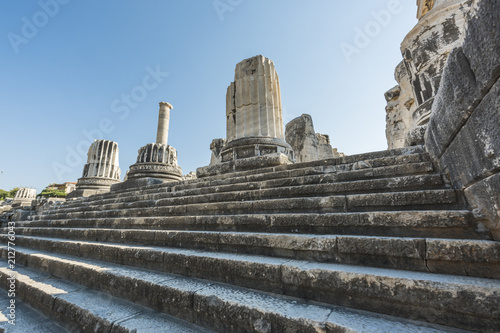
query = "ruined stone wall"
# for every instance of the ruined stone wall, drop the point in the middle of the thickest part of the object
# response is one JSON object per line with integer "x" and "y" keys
{"x": 306, "y": 143}
{"x": 464, "y": 129}
{"x": 425, "y": 50}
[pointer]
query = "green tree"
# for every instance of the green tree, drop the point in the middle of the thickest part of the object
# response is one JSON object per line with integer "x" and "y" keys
{"x": 3, "y": 194}
{"x": 12, "y": 193}
{"x": 51, "y": 193}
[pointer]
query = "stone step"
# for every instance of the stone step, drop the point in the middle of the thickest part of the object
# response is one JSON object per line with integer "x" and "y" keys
{"x": 226, "y": 308}
{"x": 408, "y": 200}
{"x": 254, "y": 191}
{"x": 436, "y": 224}
{"x": 81, "y": 309}
{"x": 288, "y": 178}
{"x": 24, "y": 318}
{"x": 467, "y": 257}
{"x": 375, "y": 159}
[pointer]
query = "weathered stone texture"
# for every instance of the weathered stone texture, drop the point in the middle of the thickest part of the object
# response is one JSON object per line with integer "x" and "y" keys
{"x": 216, "y": 148}
{"x": 254, "y": 120}
{"x": 400, "y": 106}
{"x": 307, "y": 145}
{"x": 101, "y": 170}
{"x": 464, "y": 132}
{"x": 425, "y": 50}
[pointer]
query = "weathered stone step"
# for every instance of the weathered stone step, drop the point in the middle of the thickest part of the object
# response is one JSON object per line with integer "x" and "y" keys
{"x": 254, "y": 191}
{"x": 408, "y": 200}
{"x": 25, "y": 318}
{"x": 428, "y": 297}
{"x": 448, "y": 256}
{"x": 307, "y": 176}
{"x": 80, "y": 309}
{"x": 377, "y": 160}
{"x": 442, "y": 224}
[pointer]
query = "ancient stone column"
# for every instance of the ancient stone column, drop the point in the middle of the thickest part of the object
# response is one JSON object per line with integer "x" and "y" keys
{"x": 254, "y": 121}
{"x": 163, "y": 122}
{"x": 253, "y": 112}
{"x": 425, "y": 50}
{"x": 24, "y": 197}
{"x": 156, "y": 162}
{"x": 101, "y": 171}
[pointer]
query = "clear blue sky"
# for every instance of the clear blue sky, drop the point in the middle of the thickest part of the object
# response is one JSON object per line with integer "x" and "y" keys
{"x": 67, "y": 67}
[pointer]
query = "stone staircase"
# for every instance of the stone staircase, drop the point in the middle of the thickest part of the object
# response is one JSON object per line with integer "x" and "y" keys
{"x": 376, "y": 242}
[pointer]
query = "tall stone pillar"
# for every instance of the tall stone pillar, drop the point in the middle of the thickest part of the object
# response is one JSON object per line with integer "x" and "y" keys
{"x": 163, "y": 122}
{"x": 101, "y": 171}
{"x": 156, "y": 162}
{"x": 254, "y": 121}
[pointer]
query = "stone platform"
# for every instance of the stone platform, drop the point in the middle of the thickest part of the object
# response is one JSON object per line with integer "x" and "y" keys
{"x": 323, "y": 246}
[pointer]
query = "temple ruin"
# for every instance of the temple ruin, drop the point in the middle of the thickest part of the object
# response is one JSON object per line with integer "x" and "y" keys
{"x": 268, "y": 240}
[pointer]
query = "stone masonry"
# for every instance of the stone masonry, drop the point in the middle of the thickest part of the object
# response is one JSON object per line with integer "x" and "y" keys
{"x": 425, "y": 50}
{"x": 464, "y": 129}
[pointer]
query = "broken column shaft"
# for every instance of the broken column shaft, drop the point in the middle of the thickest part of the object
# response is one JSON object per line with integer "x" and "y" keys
{"x": 163, "y": 121}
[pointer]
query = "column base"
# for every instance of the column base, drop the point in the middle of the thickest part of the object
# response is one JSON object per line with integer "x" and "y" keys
{"x": 243, "y": 164}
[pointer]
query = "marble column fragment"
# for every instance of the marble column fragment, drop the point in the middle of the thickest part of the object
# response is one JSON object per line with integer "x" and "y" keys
{"x": 101, "y": 171}
{"x": 163, "y": 123}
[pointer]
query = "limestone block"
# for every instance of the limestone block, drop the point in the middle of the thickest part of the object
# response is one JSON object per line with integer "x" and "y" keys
{"x": 455, "y": 101}
{"x": 482, "y": 42}
{"x": 475, "y": 152}
{"x": 484, "y": 197}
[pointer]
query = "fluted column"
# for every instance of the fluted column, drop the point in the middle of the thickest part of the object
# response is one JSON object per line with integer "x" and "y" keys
{"x": 163, "y": 122}
{"x": 253, "y": 101}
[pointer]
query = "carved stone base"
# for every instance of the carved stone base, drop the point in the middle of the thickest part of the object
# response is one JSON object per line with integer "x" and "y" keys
{"x": 160, "y": 171}
{"x": 254, "y": 147}
{"x": 88, "y": 186}
{"x": 256, "y": 162}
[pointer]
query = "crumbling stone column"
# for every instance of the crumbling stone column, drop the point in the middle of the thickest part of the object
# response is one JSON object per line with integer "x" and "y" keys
{"x": 101, "y": 170}
{"x": 24, "y": 197}
{"x": 253, "y": 111}
{"x": 254, "y": 121}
